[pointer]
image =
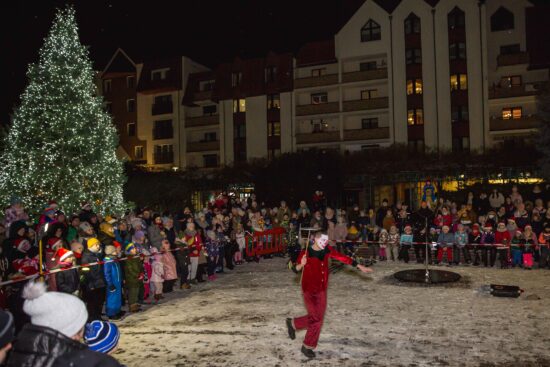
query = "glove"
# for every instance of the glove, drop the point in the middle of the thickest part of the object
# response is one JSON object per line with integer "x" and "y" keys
{"x": 140, "y": 277}
{"x": 112, "y": 288}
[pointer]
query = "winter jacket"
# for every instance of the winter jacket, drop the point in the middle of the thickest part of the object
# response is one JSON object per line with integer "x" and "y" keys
{"x": 155, "y": 237}
{"x": 487, "y": 238}
{"x": 503, "y": 237}
{"x": 123, "y": 238}
{"x": 169, "y": 262}
{"x": 40, "y": 346}
{"x": 113, "y": 279}
{"x": 105, "y": 239}
{"x": 67, "y": 281}
{"x": 461, "y": 238}
{"x": 157, "y": 275}
{"x": 496, "y": 201}
{"x": 133, "y": 272}
{"x": 446, "y": 239}
{"x": 93, "y": 275}
{"x": 406, "y": 239}
{"x": 194, "y": 242}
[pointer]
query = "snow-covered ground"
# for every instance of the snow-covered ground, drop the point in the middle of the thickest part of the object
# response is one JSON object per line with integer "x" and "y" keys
{"x": 371, "y": 320}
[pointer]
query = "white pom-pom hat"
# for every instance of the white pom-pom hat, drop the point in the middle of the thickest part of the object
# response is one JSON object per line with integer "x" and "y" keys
{"x": 59, "y": 311}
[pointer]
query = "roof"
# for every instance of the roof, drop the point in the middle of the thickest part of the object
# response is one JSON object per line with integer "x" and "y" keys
{"x": 316, "y": 53}
{"x": 120, "y": 63}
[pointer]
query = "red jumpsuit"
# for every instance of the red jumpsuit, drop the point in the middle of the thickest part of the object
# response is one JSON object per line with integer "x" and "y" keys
{"x": 314, "y": 287}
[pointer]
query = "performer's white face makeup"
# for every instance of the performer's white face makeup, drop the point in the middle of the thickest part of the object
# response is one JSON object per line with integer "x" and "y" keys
{"x": 322, "y": 241}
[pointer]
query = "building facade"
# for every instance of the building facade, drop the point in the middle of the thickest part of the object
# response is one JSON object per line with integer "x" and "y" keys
{"x": 433, "y": 75}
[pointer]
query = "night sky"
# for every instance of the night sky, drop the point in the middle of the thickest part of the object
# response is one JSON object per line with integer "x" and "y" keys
{"x": 210, "y": 32}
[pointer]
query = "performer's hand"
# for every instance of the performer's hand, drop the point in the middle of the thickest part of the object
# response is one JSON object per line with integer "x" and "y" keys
{"x": 364, "y": 269}
{"x": 303, "y": 261}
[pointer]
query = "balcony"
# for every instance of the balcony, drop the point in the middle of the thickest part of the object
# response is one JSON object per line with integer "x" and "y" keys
{"x": 163, "y": 133}
{"x": 316, "y": 81}
{"x": 316, "y": 109}
{"x": 202, "y": 120}
{"x": 519, "y": 91}
{"x": 202, "y": 95}
{"x": 161, "y": 108}
{"x": 358, "y": 76}
{"x": 203, "y": 146}
{"x": 527, "y": 122}
{"x": 318, "y": 137}
{"x": 367, "y": 134}
{"x": 164, "y": 158}
{"x": 366, "y": 104}
{"x": 513, "y": 59}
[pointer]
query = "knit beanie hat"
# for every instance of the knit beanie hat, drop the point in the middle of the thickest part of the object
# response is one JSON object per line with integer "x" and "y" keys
{"x": 139, "y": 235}
{"x": 85, "y": 226}
{"x": 7, "y": 328}
{"x": 101, "y": 336}
{"x": 44, "y": 309}
{"x": 110, "y": 250}
{"x": 92, "y": 242}
{"x": 129, "y": 247}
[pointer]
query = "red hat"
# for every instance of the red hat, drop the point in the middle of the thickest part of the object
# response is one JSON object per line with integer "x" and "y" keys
{"x": 22, "y": 245}
{"x": 117, "y": 244}
{"x": 54, "y": 243}
{"x": 62, "y": 253}
{"x": 475, "y": 225}
{"x": 488, "y": 225}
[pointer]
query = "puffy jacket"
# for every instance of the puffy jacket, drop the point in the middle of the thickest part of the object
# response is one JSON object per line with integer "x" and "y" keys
{"x": 155, "y": 237}
{"x": 67, "y": 281}
{"x": 94, "y": 277}
{"x": 40, "y": 346}
{"x": 133, "y": 271}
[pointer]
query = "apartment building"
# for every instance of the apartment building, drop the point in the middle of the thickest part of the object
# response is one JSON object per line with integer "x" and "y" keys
{"x": 434, "y": 75}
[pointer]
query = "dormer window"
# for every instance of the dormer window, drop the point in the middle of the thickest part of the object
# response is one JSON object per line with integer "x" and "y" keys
{"x": 159, "y": 74}
{"x": 371, "y": 31}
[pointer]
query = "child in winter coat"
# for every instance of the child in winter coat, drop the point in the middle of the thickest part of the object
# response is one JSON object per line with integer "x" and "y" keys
{"x": 341, "y": 231}
{"x": 393, "y": 243}
{"x": 518, "y": 242}
{"x": 113, "y": 278}
{"x": 157, "y": 274}
{"x": 133, "y": 274}
{"x": 488, "y": 241}
{"x": 445, "y": 243}
{"x": 502, "y": 246}
{"x": 461, "y": 240}
{"x": 67, "y": 281}
{"x": 383, "y": 239}
{"x": 474, "y": 240}
{"x": 406, "y": 243}
{"x": 241, "y": 242}
{"x": 531, "y": 244}
{"x": 170, "y": 268}
{"x": 211, "y": 244}
{"x": 147, "y": 270}
{"x": 544, "y": 245}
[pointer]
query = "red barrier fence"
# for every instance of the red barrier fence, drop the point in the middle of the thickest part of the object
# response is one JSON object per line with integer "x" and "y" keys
{"x": 267, "y": 242}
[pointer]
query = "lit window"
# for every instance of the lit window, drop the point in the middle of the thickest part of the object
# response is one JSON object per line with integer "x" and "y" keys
{"x": 318, "y": 98}
{"x": 511, "y": 113}
{"x": 414, "y": 86}
{"x": 510, "y": 81}
{"x": 369, "y": 93}
{"x": 459, "y": 82}
{"x": 412, "y": 24}
{"x": 274, "y": 129}
{"x": 371, "y": 31}
{"x": 239, "y": 105}
{"x": 273, "y": 101}
{"x": 415, "y": 117}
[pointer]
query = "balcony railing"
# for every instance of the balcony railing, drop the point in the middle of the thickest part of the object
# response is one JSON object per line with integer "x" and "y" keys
{"x": 315, "y": 109}
{"x": 367, "y": 134}
{"x": 202, "y": 120}
{"x": 513, "y": 59}
{"x": 203, "y": 146}
{"x": 316, "y": 81}
{"x": 318, "y": 137}
{"x": 161, "y": 108}
{"x": 357, "y": 76}
{"x": 164, "y": 133}
{"x": 202, "y": 95}
{"x": 164, "y": 158}
{"x": 527, "y": 122}
{"x": 366, "y": 104}
{"x": 519, "y": 91}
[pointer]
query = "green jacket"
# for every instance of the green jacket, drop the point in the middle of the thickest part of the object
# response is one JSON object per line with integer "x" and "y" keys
{"x": 133, "y": 270}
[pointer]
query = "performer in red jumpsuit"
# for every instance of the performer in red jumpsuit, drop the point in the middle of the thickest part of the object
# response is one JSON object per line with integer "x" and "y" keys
{"x": 314, "y": 266}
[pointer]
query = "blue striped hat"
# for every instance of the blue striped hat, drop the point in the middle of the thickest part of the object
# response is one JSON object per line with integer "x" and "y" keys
{"x": 101, "y": 336}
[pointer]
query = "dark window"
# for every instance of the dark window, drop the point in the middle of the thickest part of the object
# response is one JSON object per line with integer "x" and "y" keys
{"x": 369, "y": 123}
{"x": 273, "y": 129}
{"x": 510, "y": 49}
{"x": 318, "y": 72}
{"x": 165, "y": 99}
{"x": 109, "y": 107}
{"x": 459, "y": 113}
{"x": 318, "y": 98}
{"x": 273, "y": 153}
{"x": 207, "y": 86}
{"x": 138, "y": 152}
{"x": 369, "y": 94}
{"x": 210, "y": 160}
{"x": 413, "y": 56}
{"x": 239, "y": 131}
{"x": 415, "y": 117}
{"x": 273, "y": 101}
{"x": 209, "y": 110}
{"x": 107, "y": 86}
{"x": 130, "y": 82}
{"x": 461, "y": 144}
{"x": 159, "y": 74}
{"x": 457, "y": 51}
{"x": 270, "y": 74}
{"x": 412, "y": 24}
{"x": 164, "y": 154}
{"x": 132, "y": 129}
{"x": 416, "y": 145}
{"x": 368, "y": 65}
{"x": 502, "y": 20}
{"x": 371, "y": 31}
{"x": 163, "y": 130}
{"x": 210, "y": 136}
{"x": 236, "y": 78}
{"x": 131, "y": 105}
{"x": 456, "y": 19}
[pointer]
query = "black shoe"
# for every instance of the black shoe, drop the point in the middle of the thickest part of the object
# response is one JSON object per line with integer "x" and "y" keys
{"x": 308, "y": 352}
{"x": 291, "y": 330}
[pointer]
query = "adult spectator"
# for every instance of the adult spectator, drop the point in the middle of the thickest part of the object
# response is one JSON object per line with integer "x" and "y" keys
{"x": 53, "y": 336}
{"x": 381, "y": 213}
{"x": 496, "y": 199}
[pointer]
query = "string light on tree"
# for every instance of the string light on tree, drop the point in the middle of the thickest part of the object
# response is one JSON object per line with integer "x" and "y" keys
{"x": 61, "y": 145}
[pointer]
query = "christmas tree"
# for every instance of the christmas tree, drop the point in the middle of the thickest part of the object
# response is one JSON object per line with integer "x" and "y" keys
{"x": 61, "y": 144}
{"x": 543, "y": 143}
